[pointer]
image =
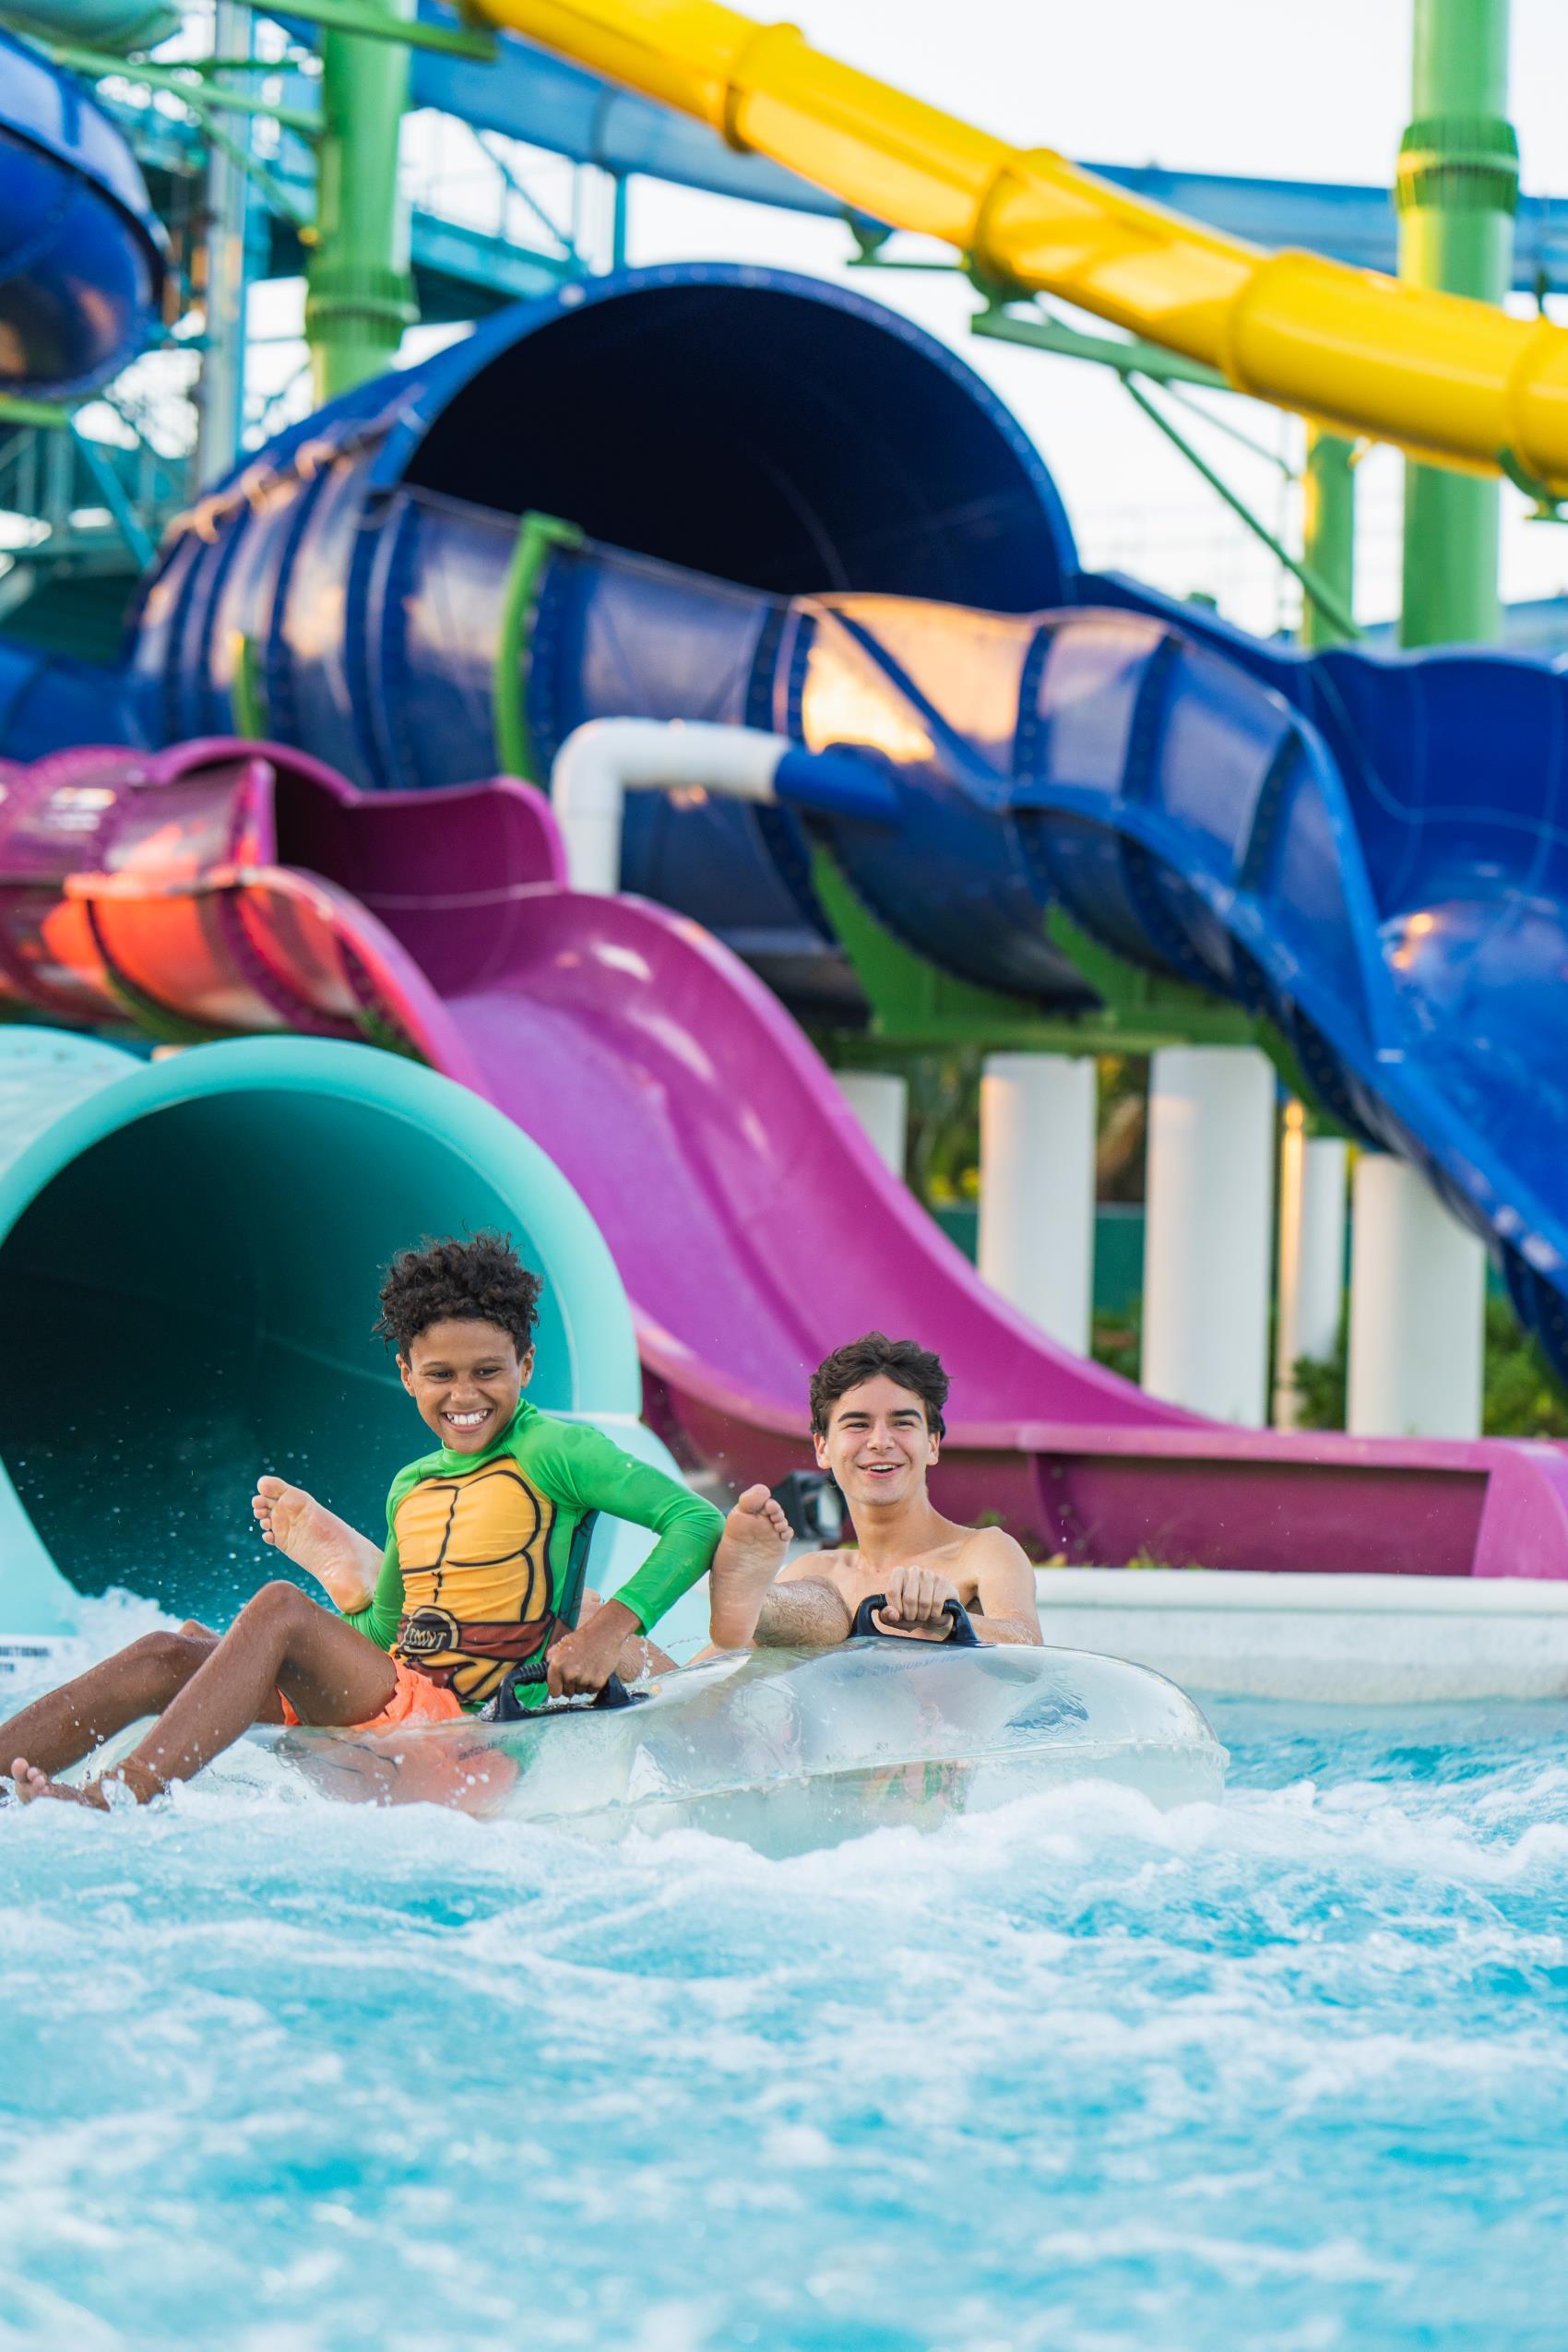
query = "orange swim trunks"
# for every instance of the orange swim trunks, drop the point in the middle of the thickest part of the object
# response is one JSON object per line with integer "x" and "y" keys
{"x": 416, "y": 1700}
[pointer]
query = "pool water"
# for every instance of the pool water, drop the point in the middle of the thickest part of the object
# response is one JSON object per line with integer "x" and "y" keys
{"x": 1287, "y": 2073}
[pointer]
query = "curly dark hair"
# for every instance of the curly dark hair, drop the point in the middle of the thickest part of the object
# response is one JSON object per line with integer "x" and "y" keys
{"x": 481, "y": 1279}
{"x": 903, "y": 1361}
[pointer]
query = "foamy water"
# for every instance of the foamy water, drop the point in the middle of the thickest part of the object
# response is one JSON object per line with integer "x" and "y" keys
{"x": 1290, "y": 2071}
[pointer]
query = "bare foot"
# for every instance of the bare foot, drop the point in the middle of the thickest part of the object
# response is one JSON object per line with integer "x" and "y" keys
{"x": 751, "y": 1553}
{"x": 30, "y": 1785}
{"x": 316, "y": 1541}
{"x": 138, "y": 1783}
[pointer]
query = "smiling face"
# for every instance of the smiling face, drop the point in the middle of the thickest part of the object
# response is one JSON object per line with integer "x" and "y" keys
{"x": 466, "y": 1378}
{"x": 879, "y": 1445}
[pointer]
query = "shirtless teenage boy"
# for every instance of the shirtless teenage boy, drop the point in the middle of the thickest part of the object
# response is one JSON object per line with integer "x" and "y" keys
{"x": 876, "y": 1421}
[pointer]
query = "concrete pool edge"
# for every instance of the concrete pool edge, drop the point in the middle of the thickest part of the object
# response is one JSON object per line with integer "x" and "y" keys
{"x": 1349, "y": 1639}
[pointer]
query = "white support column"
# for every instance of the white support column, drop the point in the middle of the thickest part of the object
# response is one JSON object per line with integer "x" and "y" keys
{"x": 1208, "y": 1236}
{"x": 1418, "y": 1309}
{"x": 221, "y": 386}
{"x": 881, "y": 1102}
{"x": 1038, "y": 1117}
{"x": 1312, "y": 1254}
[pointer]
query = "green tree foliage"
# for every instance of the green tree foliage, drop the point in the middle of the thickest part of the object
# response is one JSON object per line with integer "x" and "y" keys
{"x": 1522, "y": 1398}
{"x": 1118, "y": 1340}
{"x": 1519, "y": 1398}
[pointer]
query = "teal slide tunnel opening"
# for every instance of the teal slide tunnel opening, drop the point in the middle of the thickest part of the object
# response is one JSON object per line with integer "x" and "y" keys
{"x": 188, "y": 1280}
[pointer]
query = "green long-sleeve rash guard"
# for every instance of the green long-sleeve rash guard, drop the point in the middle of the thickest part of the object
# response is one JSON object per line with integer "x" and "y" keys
{"x": 486, "y": 1553}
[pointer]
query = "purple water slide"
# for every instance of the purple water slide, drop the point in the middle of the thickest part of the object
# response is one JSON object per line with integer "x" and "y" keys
{"x": 227, "y": 887}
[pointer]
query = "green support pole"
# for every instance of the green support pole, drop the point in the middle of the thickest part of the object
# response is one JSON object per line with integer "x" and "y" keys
{"x": 1328, "y": 533}
{"x": 358, "y": 292}
{"x": 1457, "y": 191}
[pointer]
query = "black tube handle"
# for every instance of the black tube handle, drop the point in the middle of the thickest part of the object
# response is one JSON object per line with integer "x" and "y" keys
{"x": 614, "y": 1693}
{"x": 961, "y": 1636}
{"x": 535, "y": 1670}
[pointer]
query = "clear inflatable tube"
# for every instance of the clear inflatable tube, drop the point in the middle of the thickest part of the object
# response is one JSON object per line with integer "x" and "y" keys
{"x": 787, "y": 1751}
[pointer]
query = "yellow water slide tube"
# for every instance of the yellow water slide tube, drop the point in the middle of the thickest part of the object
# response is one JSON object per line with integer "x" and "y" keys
{"x": 1449, "y": 380}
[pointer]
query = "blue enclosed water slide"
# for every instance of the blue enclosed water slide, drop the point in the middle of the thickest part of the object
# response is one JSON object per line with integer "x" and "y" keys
{"x": 81, "y": 249}
{"x": 790, "y": 508}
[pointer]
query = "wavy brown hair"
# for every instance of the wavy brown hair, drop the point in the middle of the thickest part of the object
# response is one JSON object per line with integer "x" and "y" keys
{"x": 904, "y": 1362}
{"x": 479, "y": 1279}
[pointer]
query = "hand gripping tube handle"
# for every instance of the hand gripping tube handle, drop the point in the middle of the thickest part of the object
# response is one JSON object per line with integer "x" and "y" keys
{"x": 962, "y": 1636}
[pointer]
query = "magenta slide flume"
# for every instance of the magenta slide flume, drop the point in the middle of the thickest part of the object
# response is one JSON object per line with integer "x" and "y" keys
{"x": 224, "y": 888}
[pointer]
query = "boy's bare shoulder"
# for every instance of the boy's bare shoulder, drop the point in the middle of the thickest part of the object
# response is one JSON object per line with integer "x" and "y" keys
{"x": 820, "y": 1567}
{"x": 994, "y": 1546}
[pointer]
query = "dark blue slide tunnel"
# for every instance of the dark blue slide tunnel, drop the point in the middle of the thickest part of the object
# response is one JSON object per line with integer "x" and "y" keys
{"x": 758, "y": 436}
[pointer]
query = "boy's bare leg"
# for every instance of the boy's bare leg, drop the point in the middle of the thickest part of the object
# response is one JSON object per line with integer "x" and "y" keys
{"x": 63, "y": 1726}
{"x": 751, "y": 1553}
{"x": 806, "y": 1614}
{"x": 280, "y": 1640}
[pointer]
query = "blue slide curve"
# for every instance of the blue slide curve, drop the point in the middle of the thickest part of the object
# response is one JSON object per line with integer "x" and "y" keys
{"x": 81, "y": 249}
{"x": 793, "y": 509}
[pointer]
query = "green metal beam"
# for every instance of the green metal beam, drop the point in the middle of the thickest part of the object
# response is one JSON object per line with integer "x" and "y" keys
{"x": 246, "y": 692}
{"x": 933, "y": 267}
{"x": 1329, "y": 532}
{"x": 197, "y": 95}
{"x": 1146, "y": 1010}
{"x": 127, "y": 522}
{"x": 273, "y": 194}
{"x": 46, "y": 414}
{"x": 539, "y": 537}
{"x": 1274, "y": 458}
{"x": 353, "y": 16}
{"x": 1457, "y": 191}
{"x": 1121, "y": 353}
{"x": 1131, "y": 360}
{"x": 358, "y": 292}
{"x": 1317, "y": 590}
{"x": 915, "y": 1007}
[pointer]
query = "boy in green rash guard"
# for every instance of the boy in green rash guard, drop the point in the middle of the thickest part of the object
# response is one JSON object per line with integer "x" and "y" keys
{"x": 483, "y": 1570}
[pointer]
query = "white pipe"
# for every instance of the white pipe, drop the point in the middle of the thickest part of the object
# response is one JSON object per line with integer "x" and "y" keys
{"x": 1036, "y": 1189}
{"x": 1208, "y": 1238}
{"x": 1418, "y": 1307}
{"x": 880, "y": 1100}
{"x": 600, "y": 762}
{"x": 1312, "y": 1254}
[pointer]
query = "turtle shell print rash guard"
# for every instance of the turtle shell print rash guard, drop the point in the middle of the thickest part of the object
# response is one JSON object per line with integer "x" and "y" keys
{"x": 486, "y": 1553}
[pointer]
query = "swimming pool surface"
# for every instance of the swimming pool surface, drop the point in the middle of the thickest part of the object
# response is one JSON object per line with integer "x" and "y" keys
{"x": 1286, "y": 2074}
